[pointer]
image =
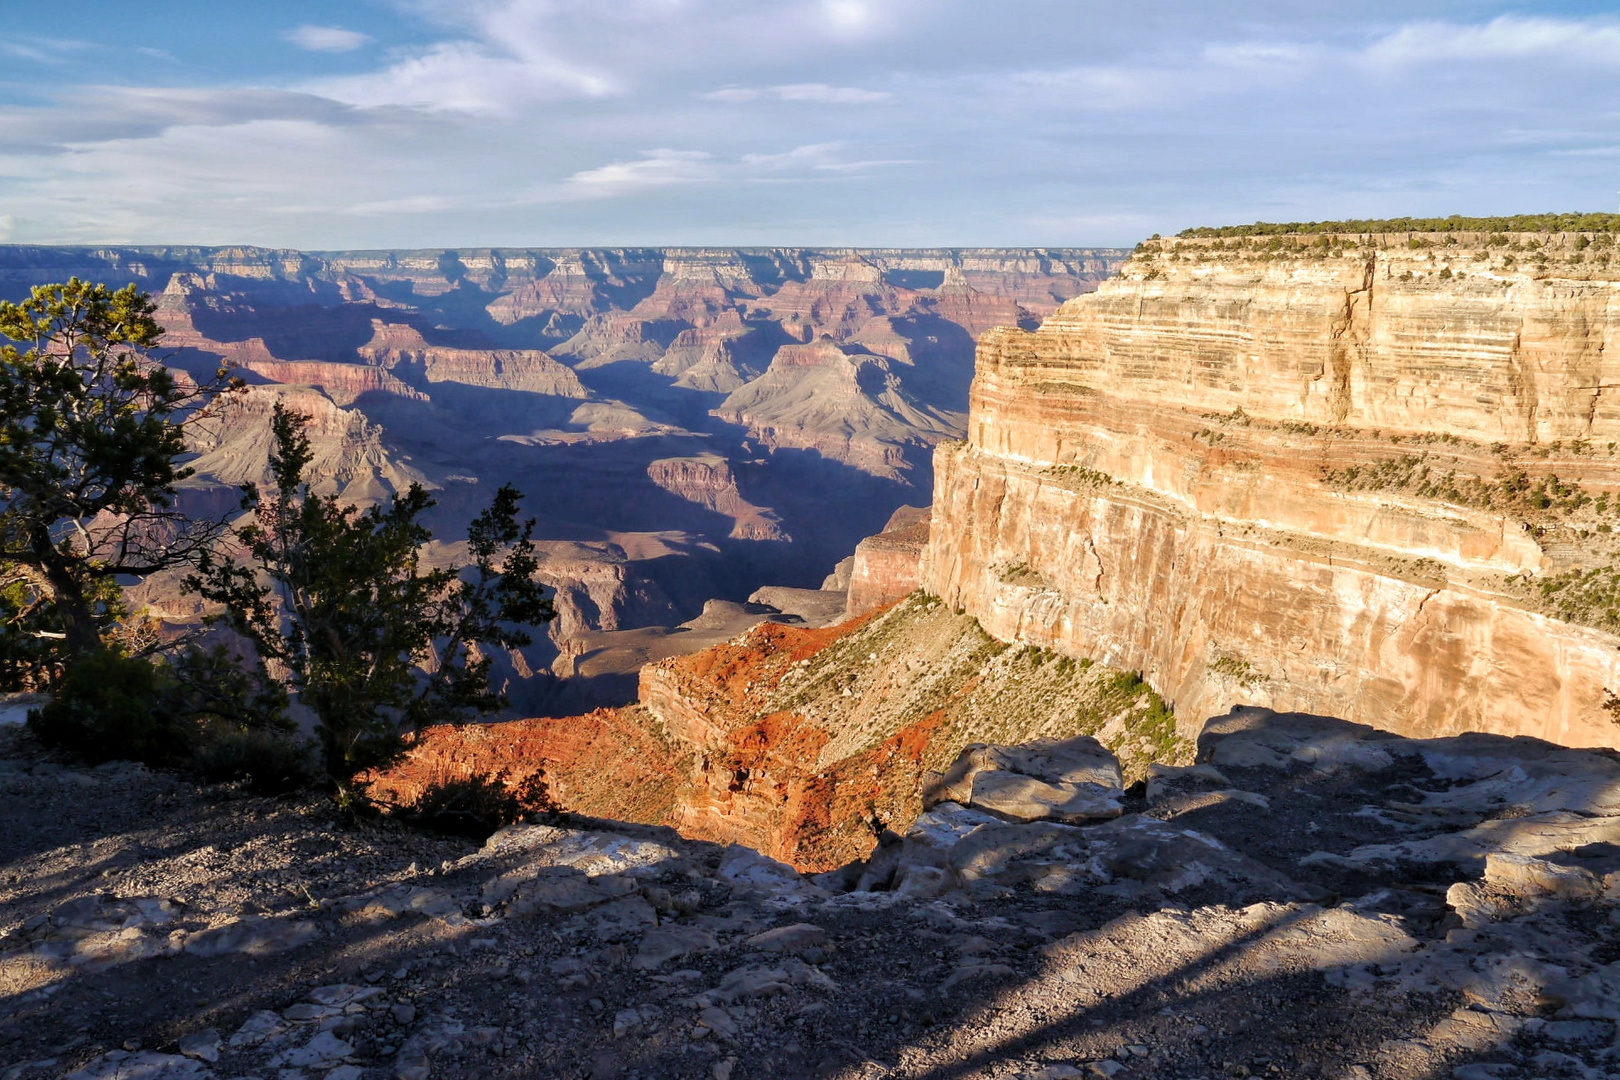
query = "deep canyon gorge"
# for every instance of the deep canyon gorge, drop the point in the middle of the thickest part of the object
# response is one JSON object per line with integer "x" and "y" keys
{"x": 688, "y": 424}
{"x": 1363, "y": 476}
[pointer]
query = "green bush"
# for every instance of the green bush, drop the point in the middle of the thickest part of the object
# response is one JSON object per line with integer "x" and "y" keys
{"x": 108, "y": 706}
{"x": 200, "y": 709}
{"x": 269, "y": 762}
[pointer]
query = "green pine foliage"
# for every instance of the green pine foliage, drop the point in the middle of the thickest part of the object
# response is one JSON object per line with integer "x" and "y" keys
{"x": 372, "y": 641}
{"x": 92, "y": 429}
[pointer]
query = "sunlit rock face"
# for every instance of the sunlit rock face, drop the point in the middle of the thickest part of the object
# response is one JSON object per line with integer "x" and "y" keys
{"x": 1366, "y": 476}
{"x": 888, "y": 565}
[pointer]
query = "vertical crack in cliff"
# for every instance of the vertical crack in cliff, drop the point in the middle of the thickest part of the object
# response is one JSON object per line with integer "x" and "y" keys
{"x": 1522, "y": 385}
{"x": 1347, "y": 339}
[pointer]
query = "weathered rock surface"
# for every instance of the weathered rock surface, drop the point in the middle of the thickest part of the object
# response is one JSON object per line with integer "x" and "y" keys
{"x": 888, "y": 565}
{"x": 1367, "y": 478}
{"x": 1059, "y": 780}
{"x": 1179, "y": 939}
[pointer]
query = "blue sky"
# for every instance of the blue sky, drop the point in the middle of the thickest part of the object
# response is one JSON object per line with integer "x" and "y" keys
{"x": 420, "y": 123}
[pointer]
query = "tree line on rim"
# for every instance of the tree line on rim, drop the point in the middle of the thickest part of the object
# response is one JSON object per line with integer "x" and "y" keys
{"x": 322, "y": 610}
{"x": 1533, "y": 223}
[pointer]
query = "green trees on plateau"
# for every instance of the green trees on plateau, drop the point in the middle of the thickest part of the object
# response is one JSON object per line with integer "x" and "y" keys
{"x": 324, "y": 604}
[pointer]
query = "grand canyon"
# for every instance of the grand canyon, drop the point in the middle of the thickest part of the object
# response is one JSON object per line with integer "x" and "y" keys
{"x": 688, "y": 425}
{"x": 1194, "y": 661}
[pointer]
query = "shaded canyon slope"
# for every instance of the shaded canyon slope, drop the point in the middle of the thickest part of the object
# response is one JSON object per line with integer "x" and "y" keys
{"x": 1369, "y": 476}
{"x": 687, "y": 424}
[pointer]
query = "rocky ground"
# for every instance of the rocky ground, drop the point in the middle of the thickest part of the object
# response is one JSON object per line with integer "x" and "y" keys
{"x": 1312, "y": 899}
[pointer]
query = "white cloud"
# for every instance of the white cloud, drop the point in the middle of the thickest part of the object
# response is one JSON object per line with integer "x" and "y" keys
{"x": 1506, "y": 37}
{"x": 814, "y": 93}
{"x": 657, "y": 168}
{"x": 42, "y": 50}
{"x": 464, "y": 76}
{"x": 409, "y": 204}
{"x": 333, "y": 39}
{"x": 821, "y": 157}
{"x": 8, "y": 225}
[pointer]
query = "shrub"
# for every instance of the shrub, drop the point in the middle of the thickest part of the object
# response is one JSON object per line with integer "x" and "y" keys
{"x": 1124, "y": 682}
{"x": 201, "y": 708}
{"x": 109, "y": 705}
{"x": 476, "y": 806}
{"x": 269, "y": 762}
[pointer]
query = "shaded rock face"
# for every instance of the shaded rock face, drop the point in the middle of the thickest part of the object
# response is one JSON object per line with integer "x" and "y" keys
{"x": 687, "y": 424}
{"x": 1364, "y": 476}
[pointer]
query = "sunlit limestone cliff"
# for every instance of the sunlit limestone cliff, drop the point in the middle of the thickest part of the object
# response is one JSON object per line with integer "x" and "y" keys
{"x": 1370, "y": 476}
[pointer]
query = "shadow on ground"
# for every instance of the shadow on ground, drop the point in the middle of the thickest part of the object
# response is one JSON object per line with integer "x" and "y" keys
{"x": 1314, "y": 899}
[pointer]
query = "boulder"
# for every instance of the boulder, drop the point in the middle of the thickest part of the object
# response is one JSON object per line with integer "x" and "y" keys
{"x": 1075, "y": 779}
{"x": 666, "y": 943}
{"x": 748, "y": 869}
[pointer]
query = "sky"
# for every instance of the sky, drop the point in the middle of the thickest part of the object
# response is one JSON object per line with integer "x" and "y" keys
{"x": 518, "y": 123}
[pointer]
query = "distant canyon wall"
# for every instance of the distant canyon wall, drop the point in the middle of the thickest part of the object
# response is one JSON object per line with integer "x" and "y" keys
{"x": 1368, "y": 476}
{"x": 687, "y": 423}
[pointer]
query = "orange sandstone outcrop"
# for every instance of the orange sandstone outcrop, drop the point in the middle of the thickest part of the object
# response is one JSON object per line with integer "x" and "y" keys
{"x": 806, "y": 743}
{"x": 1363, "y": 476}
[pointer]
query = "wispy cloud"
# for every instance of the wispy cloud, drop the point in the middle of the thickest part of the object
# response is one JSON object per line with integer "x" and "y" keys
{"x": 656, "y": 168}
{"x": 409, "y": 204}
{"x": 332, "y": 39}
{"x": 1507, "y": 37}
{"x": 821, "y": 157}
{"x": 814, "y": 93}
{"x": 42, "y": 50}
{"x": 469, "y": 77}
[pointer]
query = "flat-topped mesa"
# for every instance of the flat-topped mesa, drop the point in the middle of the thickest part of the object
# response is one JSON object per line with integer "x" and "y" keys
{"x": 1368, "y": 475}
{"x": 396, "y": 345}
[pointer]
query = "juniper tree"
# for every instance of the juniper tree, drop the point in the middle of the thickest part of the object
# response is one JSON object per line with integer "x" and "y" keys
{"x": 92, "y": 433}
{"x": 337, "y": 599}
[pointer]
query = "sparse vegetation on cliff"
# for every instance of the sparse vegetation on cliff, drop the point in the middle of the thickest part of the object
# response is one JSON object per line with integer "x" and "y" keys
{"x": 1590, "y": 597}
{"x": 1513, "y": 491}
{"x": 975, "y": 689}
{"x": 1521, "y": 223}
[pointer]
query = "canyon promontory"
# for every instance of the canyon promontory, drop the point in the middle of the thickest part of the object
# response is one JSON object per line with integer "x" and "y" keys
{"x": 1366, "y": 475}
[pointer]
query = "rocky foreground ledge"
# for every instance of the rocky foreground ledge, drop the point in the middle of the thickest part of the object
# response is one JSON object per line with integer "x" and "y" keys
{"x": 1313, "y": 898}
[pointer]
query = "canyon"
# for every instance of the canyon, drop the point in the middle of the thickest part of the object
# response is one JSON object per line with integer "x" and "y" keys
{"x": 1366, "y": 476}
{"x": 688, "y": 424}
{"x": 1240, "y": 703}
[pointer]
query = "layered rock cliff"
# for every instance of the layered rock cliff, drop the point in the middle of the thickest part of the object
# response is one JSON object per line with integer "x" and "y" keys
{"x": 1368, "y": 476}
{"x": 888, "y": 566}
